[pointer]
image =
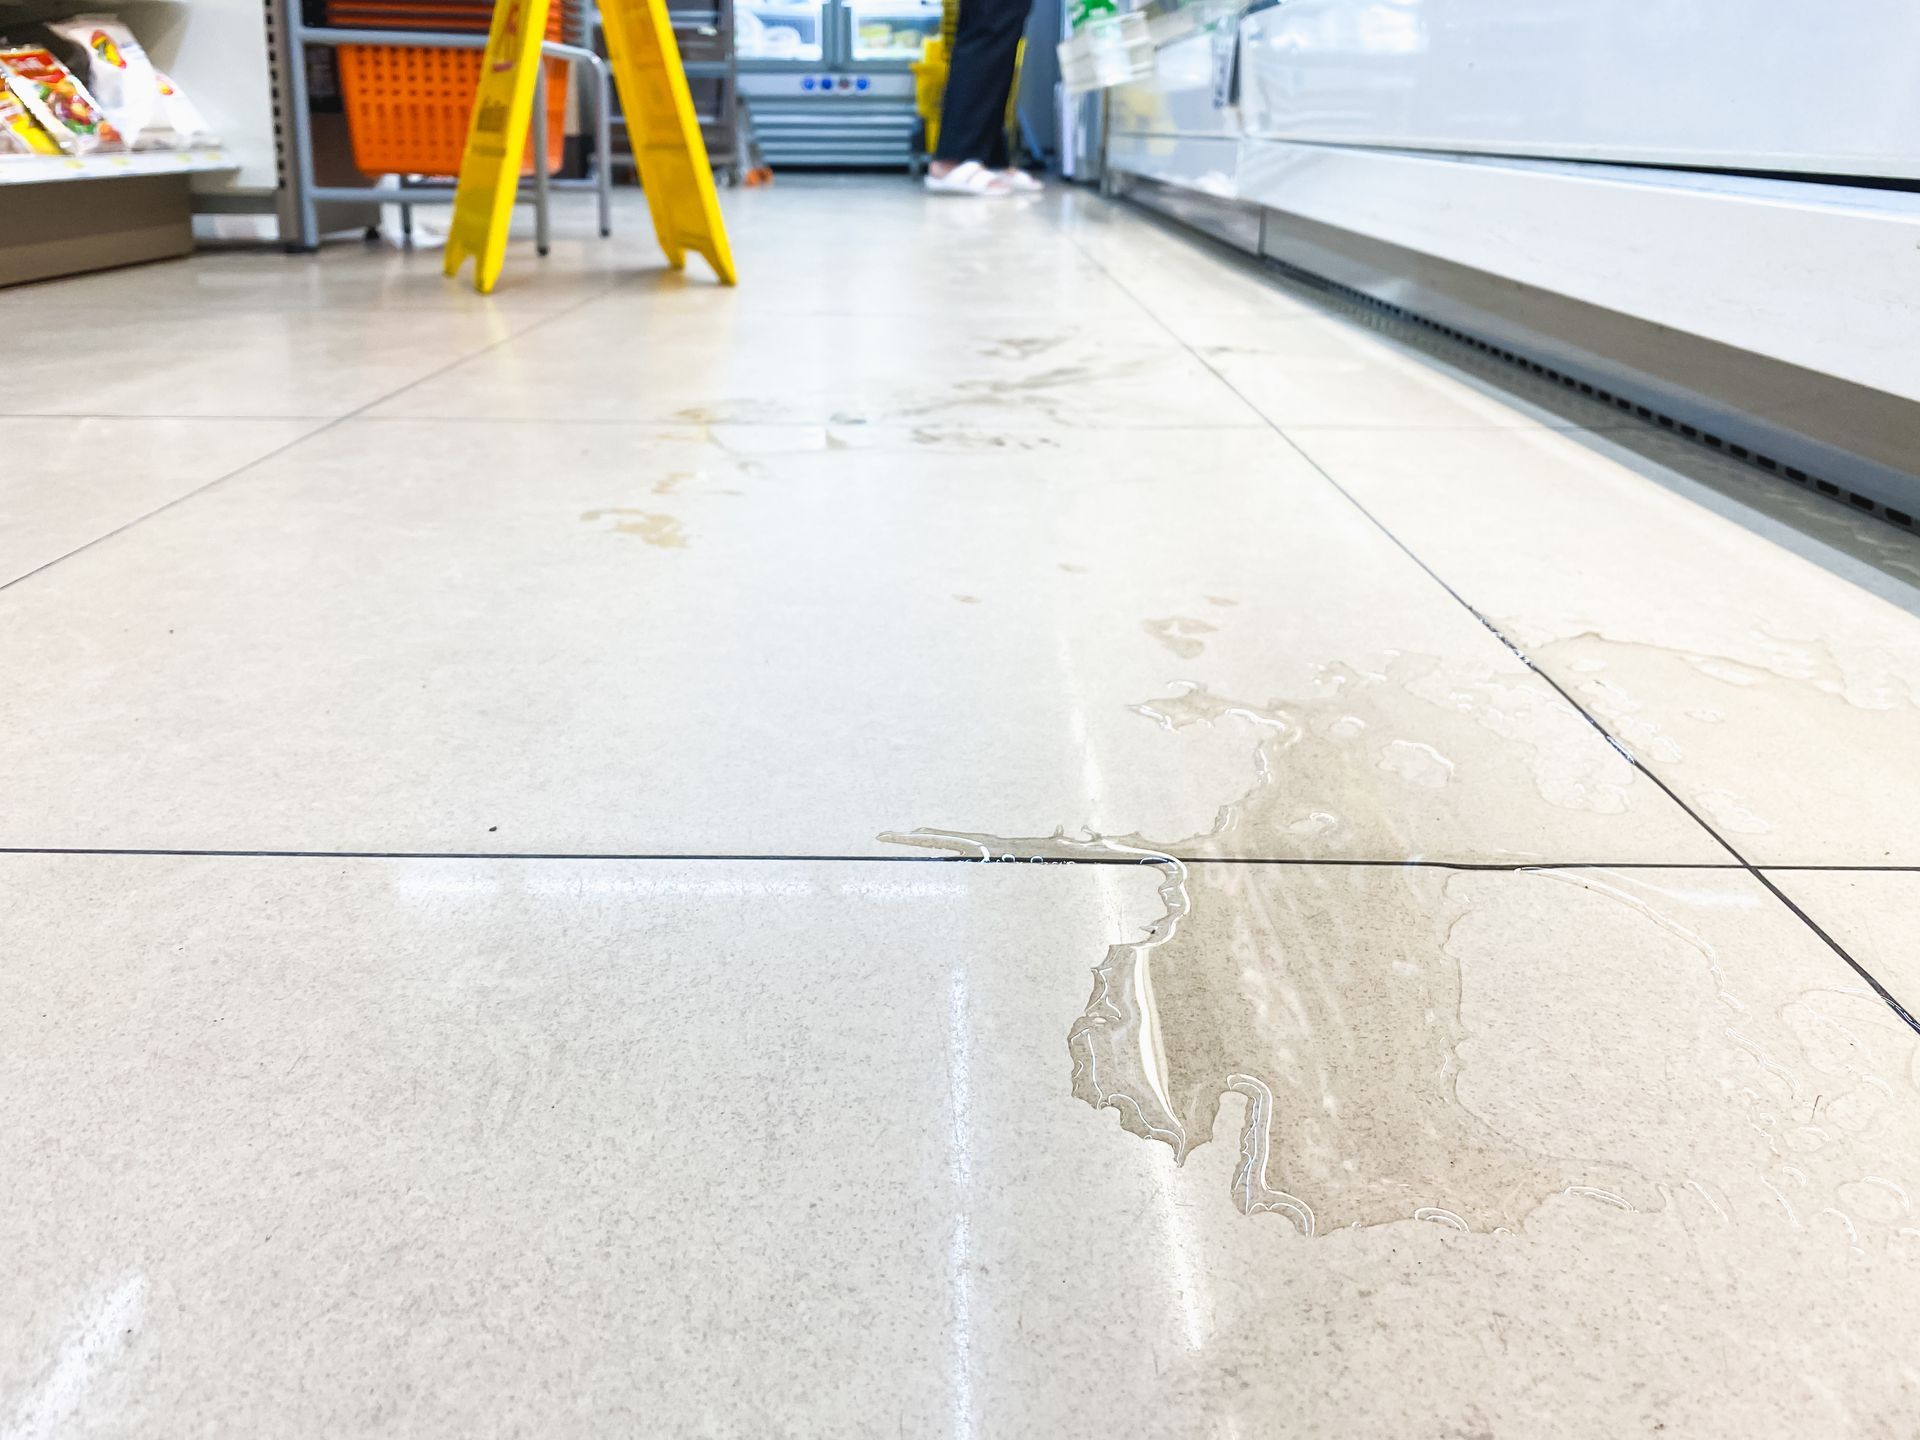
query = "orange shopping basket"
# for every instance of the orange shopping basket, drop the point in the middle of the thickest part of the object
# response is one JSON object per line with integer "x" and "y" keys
{"x": 408, "y": 107}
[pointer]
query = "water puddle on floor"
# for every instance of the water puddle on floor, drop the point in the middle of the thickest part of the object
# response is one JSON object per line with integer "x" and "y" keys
{"x": 1349, "y": 720}
{"x": 663, "y": 531}
{"x": 1842, "y": 692}
{"x": 1330, "y": 999}
{"x": 1056, "y": 394}
{"x": 1022, "y": 347}
{"x": 1180, "y": 634}
{"x": 934, "y": 437}
{"x": 1333, "y": 1008}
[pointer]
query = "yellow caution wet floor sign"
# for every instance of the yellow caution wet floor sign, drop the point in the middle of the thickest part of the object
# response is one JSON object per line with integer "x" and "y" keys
{"x": 496, "y": 140}
{"x": 661, "y": 123}
{"x": 665, "y": 131}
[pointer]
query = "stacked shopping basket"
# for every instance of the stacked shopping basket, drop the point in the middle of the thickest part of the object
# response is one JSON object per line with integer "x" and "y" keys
{"x": 408, "y": 106}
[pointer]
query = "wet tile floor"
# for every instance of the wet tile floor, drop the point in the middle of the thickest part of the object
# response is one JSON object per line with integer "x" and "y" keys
{"x": 485, "y": 946}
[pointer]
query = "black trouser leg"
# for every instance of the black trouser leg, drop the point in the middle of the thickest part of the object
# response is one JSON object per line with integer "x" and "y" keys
{"x": 979, "y": 80}
{"x": 997, "y": 157}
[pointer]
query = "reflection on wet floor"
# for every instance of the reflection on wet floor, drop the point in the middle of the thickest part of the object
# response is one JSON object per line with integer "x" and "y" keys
{"x": 1669, "y": 704}
{"x": 1339, "y": 1002}
{"x": 667, "y": 532}
{"x": 1332, "y": 1000}
{"x": 1332, "y": 1003}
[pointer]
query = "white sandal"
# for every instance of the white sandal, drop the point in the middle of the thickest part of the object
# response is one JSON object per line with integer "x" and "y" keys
{"x": 969, "y": 177}
{"x": 1020, "y": 182}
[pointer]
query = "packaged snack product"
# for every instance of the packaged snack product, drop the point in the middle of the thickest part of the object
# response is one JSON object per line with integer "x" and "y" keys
{"x": 57, "y": 100}
{"x": 20, "y": 133}
{"x": 118, "y": 72}
{"x": 145, "y": 107}
{"x": 180, "y": 116}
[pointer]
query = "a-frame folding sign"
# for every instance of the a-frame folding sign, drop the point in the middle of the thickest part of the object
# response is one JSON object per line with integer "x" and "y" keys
{"x": 665, "y": 133}
{"x": 667, "y": 147}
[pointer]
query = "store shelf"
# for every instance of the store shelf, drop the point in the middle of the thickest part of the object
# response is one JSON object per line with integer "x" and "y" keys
{"x": 1106, "y": 52}
{"x": 51, "y": 169}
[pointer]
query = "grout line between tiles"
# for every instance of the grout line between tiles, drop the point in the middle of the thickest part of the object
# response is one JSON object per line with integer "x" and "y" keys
{"x": 1157, "y": 857}
{"x": 1305, "y": 862}
{"x": 282, "y": 449}
{"x": 260, "y": 459}
{"x": 914, "y": 424}
{"x": 881, "y": 427}
{"x": 1525, "y": 659}
{"x": 207, "y": 419}
{"x": 315, "y": 307}
{"x": 828, "y": 423}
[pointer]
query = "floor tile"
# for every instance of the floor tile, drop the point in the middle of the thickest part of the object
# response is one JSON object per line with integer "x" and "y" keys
{"x": 132, "y": 361}
{"x": 343, "y": 276}
{"x": 1860, "y": 548}
{"x": 787, "y": 640}
{"x": 1871, "y": 915}
{"x": 1771, "y": 688}
{"x": 1354, "y": 364}
{"x": 1180, "y": 279}
{"x": 1312, "y": 371}
{"x": 816, "y": 250}
{"x": 69, "y": 481}
{"x": 829, "y": 253}
{"x": 342, "y": 1148}
{"x": 893, "y": 274}
{"x": 610, "y": 361}
{"x": 940, "y": 536}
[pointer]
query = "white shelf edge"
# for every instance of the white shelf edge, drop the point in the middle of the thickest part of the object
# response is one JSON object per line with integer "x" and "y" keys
{"x": 51, "y": 169}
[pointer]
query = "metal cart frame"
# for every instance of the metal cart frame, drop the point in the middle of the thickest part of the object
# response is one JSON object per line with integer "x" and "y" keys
{"x": 297, "y": 135}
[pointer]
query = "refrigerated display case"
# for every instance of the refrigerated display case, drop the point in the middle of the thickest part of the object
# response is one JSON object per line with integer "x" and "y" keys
{"x": 1482, "y": 167}
{"x": 828, "y": 80}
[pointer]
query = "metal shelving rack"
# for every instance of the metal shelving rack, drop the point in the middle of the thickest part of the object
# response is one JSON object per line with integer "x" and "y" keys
{"x": 64, "y": 214}
{"x": 301, "y": 231}
{"x": 706, "y": 41}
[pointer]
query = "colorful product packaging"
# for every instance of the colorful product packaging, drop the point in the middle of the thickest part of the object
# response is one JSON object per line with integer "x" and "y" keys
{"x": 144, "y": 106}
{"x": 20, "y": 133}
{"x": 180, "y": 116}
{"x": 57, "y": 100}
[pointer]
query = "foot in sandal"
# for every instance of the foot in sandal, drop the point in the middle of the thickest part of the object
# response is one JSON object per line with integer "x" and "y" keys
{"x": 969, "y": 177}
{"x": 1020, "y": 182}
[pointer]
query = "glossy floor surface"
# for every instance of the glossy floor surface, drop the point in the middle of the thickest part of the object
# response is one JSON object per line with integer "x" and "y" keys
{"x": 482, "y": 947}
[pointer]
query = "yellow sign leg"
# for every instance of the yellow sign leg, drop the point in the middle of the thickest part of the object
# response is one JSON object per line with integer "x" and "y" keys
{"x": 497, "y": 141}
{"x": 665, "y": 131}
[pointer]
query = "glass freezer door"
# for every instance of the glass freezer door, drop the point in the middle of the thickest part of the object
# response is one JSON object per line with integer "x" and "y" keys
{"x": 782, "y": 30}
{"x": 880, "y": 31}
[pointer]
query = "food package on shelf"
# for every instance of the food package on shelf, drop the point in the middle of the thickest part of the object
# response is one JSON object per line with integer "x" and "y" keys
{"x": 145, "y": 107}
{"x": 20, "y": 133}
{"x": 57, "y": 100}
{"x": 181, "y": 116}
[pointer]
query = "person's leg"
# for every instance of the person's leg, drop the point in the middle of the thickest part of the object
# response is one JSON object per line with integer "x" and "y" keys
{"x": 998, "y": 157}
{"x": 979, "y": 79}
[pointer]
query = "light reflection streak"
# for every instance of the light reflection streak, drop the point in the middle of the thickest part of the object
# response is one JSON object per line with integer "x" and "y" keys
{"x": 1187, "y": 1277}
{"x": 960, "y": 1164}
